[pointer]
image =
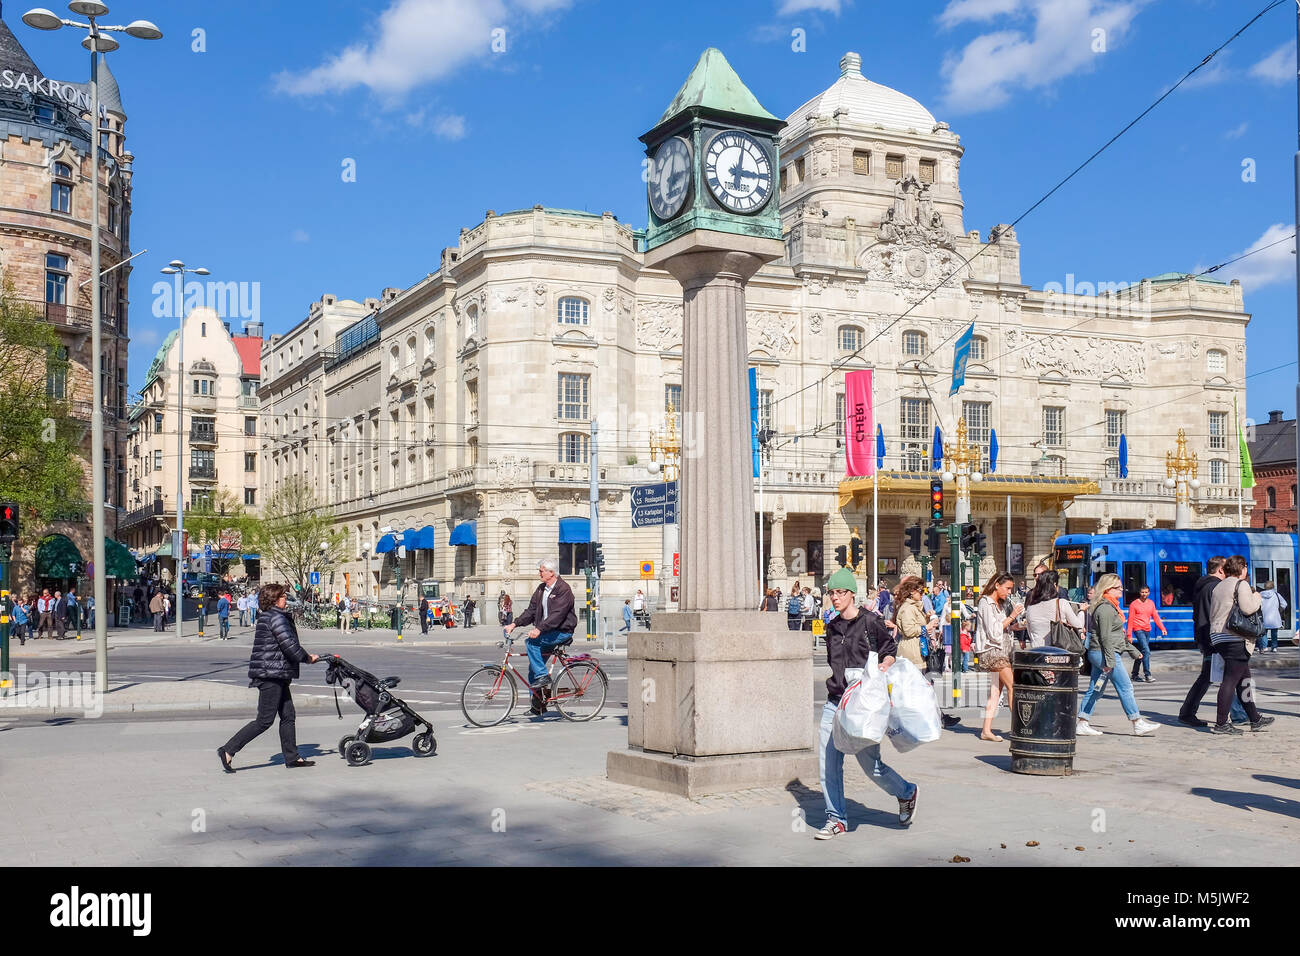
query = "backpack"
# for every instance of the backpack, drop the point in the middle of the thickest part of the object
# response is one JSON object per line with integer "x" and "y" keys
{"x": 792, "y": 606}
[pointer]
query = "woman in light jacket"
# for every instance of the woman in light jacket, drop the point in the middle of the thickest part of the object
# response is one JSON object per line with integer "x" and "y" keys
{"x": 1234, "y": 648}
{"x": 994, "y": 619}
{"x": 911, "y": 619}
{"x": 1045, "y": 606}
{"x": 1272, "y": 604}
{"x": 1106, "y": 641}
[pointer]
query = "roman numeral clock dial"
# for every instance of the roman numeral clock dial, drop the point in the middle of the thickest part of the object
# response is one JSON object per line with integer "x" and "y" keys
{"x": 738, "y": 171}
{"x": 670, "y": 178}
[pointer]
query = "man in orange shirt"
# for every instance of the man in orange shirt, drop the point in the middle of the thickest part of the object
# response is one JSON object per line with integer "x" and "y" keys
{"x": 1141, "y": 614}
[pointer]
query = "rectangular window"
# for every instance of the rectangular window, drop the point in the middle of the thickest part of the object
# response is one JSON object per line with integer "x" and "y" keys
{"x": 250, "y": 425}
{"x": 1218, "y": 431}
{"x": 927, "y": 170}
{"x": 250, "y": 461}
{"x": 979, "y": 349}
{"x": 839, "y": 414}
{"x": 250, "y": 496}
{"x": 914, "y": 428}
{"x": 575, "y": 448}
{"x": 673, "y": 398}
{"x": 56, "y": 279}
{"x": 894, "y": 167}
{"x": 200, "y": 498}
{"x": 798, "y": 170}
{"x": 56, "y": 378}
{"x": 1177, "y": 582}
{"x": 765, "y": 408}
{"x": 977, "y": 415}
{"x": 157, "y": 459}
{"x": 850, "y": 338}
{"x": 573, "y": 311}
{"x": 573, "y": 558}
{"x": 1053, "y": 427}
{"x": 862, "y": 162}
{"x": 1134, "y": 579}
{"x": 60, "y": 197}
{"x": 1218, "y": 471}
{"x": 1114, "y": 427}
{"x": 1216, "y": 362}
{"x": 471, "y": 397}
{"x": 913, "y": 343}
{"x": 157, "y": 421}
{"x": 573, "y": 392}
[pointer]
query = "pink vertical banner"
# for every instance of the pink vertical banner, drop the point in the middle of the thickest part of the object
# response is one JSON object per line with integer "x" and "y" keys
{"x": 859, "y": 423}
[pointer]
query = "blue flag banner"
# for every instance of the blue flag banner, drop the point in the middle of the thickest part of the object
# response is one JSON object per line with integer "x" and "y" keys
{"x": 880, "y": 448}
{"x": 960, "y": 356}
{"x": 753, "y": 416}
{"x": 993, "y": 451}
{"x": 936, "y": 452}
{"x": 1123, "y": 455}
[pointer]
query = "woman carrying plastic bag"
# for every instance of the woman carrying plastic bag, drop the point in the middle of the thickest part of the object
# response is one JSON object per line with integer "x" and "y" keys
{"x": 851, "y": 637}
{"x": 914, "y": 717}
{"x": 863, "y": 714}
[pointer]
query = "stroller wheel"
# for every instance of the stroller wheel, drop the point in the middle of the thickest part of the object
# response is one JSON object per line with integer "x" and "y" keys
{"x": 424, "y": 745}
{"x": 358, "y": 753}
{"x": 344, "y": 744}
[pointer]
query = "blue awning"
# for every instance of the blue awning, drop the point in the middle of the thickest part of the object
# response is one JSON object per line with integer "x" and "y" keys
{"x": 252, "y": 557}
{"x": 575, "y": 530}
{"x": 466, "y": 533}
{"x": 387, "y": 543}
{"x": 424, "y": 538}
{"x": 408, "y": 539}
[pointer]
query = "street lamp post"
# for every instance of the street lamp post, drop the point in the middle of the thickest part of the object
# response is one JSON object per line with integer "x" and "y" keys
{"x": 667, "y": 444}
{"x": 177, "y": 268}
{"x": 1180, "y": 470}
{"x": 965, "y": 460}
{"x": 96, "y": 43}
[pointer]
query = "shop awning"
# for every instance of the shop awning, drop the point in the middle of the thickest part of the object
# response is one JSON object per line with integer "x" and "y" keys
{"x": 466, "y": 534}
{"x": 56, "y": 556}
{"x": 575, "y": 530}
{"x": 118, "y": 559}
{"x": 424, "y": 538}
{"x": 252, "y": 557}
{"x": 387, "y": 543}
{"x": 408, "y": 539}
{"x": 164, "y": 549}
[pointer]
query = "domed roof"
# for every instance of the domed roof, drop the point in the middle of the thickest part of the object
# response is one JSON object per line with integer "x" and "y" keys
{"x": 859, "y": 100}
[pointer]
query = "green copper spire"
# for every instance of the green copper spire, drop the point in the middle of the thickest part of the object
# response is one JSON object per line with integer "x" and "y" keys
{"x": 714, "y": 85}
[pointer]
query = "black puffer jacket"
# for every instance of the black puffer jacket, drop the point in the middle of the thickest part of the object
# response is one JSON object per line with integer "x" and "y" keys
{"x": 276, "y": 651}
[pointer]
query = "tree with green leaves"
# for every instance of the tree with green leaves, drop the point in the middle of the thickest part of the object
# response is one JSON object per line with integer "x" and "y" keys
{"x": 41, "y": 461}
{"x": 296, "y": 535}
{"x": 220, "y": 521}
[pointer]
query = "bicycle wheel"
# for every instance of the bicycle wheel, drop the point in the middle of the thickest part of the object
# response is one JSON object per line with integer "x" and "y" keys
{"x": 488, "y": 696}
{"x": 580, "y": 690}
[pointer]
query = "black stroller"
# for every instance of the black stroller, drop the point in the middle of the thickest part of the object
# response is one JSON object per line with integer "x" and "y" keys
{"x": 387, "y": 717}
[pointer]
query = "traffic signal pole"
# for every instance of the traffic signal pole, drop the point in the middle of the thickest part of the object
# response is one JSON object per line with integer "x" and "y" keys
{"x": 957, "y": 608}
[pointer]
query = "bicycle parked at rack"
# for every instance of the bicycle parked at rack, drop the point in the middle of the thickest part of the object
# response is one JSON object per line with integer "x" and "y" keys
{"x": 577, "y": 690}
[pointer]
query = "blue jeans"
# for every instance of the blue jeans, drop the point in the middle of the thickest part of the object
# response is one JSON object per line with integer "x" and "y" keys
{"x": 1142, "y": 641}
{"x": 225, "y": 626}
{"x": 1270, "y": 640}
{"x": 831, "y": 764}
{"x": 966, "y": 658}
{"x": 1123, "y": 684}
{"x": 627, "y": 626}
{"x": 537, "y": 648}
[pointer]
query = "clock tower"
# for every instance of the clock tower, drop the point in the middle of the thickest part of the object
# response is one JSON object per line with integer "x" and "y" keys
{"x": 733, "y": 692}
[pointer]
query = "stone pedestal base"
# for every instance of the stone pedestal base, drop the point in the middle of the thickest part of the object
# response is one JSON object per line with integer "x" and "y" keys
{"x": 717, "y": 701}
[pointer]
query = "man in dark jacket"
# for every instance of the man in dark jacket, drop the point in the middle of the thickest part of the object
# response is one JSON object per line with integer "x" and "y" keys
{"x": 550, "y": 611}
{"x": 1202, "y": 594}
{"x": 424, "y": 615}
{"x": 273, "y": 664}
{"x": 60, "y": 615}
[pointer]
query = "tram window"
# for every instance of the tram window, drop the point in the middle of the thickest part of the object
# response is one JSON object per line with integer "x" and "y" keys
{"x": 1109, "y": 567}
{"x": 1177, "y": 582}
{"x": 1135, "y": 579}
{"x": 1284, "y": 591}
{"x": 1262, "y": 571}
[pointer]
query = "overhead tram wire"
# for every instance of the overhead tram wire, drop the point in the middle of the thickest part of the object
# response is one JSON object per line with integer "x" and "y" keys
{"x": 993, "y": 238}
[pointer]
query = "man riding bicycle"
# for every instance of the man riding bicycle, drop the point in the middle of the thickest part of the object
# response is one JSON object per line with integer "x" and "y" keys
{"x": 550, "y": 611}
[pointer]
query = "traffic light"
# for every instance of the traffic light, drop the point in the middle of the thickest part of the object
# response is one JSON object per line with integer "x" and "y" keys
{"x": 981, "y": 543}
{"x": 968, "y": 533}
{"x": 8, "y": 522}
{"x": 936, "y": 501}
{"x": 913, "y": 537}
{"x": 932, "y": 539}
{"x": 598, "y": 558}
{"x": 855, "y": 551}
{"x": 842, "y": 555}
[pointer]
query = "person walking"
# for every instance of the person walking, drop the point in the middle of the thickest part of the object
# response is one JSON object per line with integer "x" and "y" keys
{"x": 223, "y": 616}
{"x": 1142, "y": 614}
{"x": 22, "y": 623}
{"x": 851, "y": 636}
{"x": 994, "y": 618}
{"x": 883, "y": 601}
{"x": 794, "y": 609}
{"x": 910, "y": 617}
{"x": 424, "y": 614}
{"x": 241, "y": 605}
{"x": 550, "y": 611}
{"x": 60, "y": 616}
{"x": 638, "y": 607}
{"x": 167, "y": 607}
{"x": 469, "y": 607}
{"x": 808, "y": 607}
{"x": 1272, "y": 603}
{"x": 505, "y": 609}
{"x": 271, "y": 668}
{"x": 158, "y": 609}
{"x": 1045, "y": 606}
{"x": 1106, "y": 642}
{"x": 345, "y": 613}
{"x": 627, "y": 617}
{"x": 45, "y": 614}
{"x": 1235, "y": 648}
{"x": 74, "y": 609}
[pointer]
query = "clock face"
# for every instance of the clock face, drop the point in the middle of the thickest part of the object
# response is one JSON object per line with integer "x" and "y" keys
{"x": 670, "y": 177}
{"x": 738, "y": 171}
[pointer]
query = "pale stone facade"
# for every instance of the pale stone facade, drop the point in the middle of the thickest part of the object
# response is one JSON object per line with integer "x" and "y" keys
{"x": 456, "y": 408}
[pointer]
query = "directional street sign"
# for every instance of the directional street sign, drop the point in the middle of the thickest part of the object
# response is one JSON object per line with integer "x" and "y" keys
{"x": 207, "y": 558}
{"x": 315, "y": 578}
{"x": 654, "y": 504}
{"x": 650, "y": 515}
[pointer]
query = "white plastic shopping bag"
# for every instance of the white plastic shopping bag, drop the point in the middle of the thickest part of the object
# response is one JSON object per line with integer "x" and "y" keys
{"x": 914, "y": 717}
{"x": 1216, "y": 669}
{"x": 863, "y": 713}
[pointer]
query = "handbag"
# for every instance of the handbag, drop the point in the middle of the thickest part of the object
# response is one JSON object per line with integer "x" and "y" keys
{"x": 1248, "y": 626}
{"x": 1062, "y": 635}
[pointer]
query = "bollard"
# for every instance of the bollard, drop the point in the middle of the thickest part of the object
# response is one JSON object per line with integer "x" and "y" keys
{"x": 1044, "y": 709}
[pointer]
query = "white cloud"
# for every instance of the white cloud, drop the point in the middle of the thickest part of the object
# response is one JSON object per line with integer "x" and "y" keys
{"x": 450, "y": 126}
{"x": 300, "y": 235}
{"x": 414, "y": 42}
{"x": 1237, "y": 133}
{"x": 1276, "y": 264}
{"x": 994, "y": 65}
{"x": 789, "y": 7}
{"x": 1278, "y": 67}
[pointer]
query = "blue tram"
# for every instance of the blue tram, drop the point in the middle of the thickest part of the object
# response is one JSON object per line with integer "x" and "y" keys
{"x": 1170, "y": 562}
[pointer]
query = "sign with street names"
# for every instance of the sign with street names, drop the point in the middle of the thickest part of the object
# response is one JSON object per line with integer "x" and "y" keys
{"x": 665, "y": 492}
{"x": 651, "y": 515}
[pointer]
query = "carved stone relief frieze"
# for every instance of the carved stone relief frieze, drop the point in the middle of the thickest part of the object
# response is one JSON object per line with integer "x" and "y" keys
{"x": 659, "y": 325}
{"x": 1078, "y": 356}
{"x": 774, "y": 332}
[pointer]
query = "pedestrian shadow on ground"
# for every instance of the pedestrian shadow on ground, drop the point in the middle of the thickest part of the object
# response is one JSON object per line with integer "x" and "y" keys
{"x": 996, "y": 761}
{"x": 1250, "y": 801}
{"x": 813, "y": 805}
{"x": 1280, "y": 781}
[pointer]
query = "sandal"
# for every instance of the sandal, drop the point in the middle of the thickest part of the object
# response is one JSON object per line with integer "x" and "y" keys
{"x": 995, "y": 739}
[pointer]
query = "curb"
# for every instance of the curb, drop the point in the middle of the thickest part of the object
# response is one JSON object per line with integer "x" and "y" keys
{"x": 304, "y": 702}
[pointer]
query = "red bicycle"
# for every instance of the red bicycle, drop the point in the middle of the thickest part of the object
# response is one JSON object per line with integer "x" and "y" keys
{"x": 578, "y": 689}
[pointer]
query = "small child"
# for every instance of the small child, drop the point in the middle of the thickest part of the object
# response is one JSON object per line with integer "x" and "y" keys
{"x": 965, "y": 650}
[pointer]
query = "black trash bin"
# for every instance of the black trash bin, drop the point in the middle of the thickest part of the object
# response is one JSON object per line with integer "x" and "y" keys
{"x": 1044, "y": 709}
{"x": 392, "y": 617}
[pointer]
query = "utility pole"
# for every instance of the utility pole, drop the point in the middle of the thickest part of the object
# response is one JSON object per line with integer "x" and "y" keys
{"x": 1296, "y": 248}
{"x": 593, "y": 493}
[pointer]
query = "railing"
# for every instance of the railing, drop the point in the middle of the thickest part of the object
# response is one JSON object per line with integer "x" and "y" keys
{"x": 203, "y": 472}
{"x": 206, "y": 436}
{"x": 460, "y": 478}
{"x": 249, "y": 401}
{"x": 1135, "y": 487}
{"x": 1223, "y": 493}
{"x": 142, "y": 514}
{"x": 66, "y": 316}
{"x": 79, "y": 410}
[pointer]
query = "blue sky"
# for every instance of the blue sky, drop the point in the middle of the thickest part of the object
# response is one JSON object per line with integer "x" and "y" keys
{"x": 240, "y": 147}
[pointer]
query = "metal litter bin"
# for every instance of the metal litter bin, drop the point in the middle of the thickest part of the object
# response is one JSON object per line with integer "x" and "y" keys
{"x": 1044, "y": 709}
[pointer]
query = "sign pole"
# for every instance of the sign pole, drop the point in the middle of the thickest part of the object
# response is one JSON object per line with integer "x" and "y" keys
{"x": 957, "y": 610}
{"x": 6, "y": 679}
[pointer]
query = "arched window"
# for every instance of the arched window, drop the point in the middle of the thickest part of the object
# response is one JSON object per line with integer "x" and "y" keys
{"x": 914, "y": 343}
{"x": 471, "y": 322}
{"x": 410, "y": 350}
{"x": 428, "y": 342}
{"x": 395, "y": 356}
{"x": 61, "y": 188}
{"x": 1272, "y": 499}
{"x": 979, "y": 349}
{"x": 572, "y": 311}
{"x": 574, "y": 447}
{"x": 851, "y": 338}
{"x": 1216, "y": 362}
{"x": 1293, "y": 496}
{"x": 1112, "y": 467}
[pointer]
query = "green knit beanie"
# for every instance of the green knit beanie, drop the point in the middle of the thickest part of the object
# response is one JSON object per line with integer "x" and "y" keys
{"x": 843, "y": 580}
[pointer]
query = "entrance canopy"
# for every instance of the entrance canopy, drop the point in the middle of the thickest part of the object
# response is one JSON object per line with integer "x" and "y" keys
{"x": 465, "y": 534}
{"x": 58, "y": 557}
{"x": 1051, "y": 491}
{"x": 424, "y": 538}
{"x": 118, "y": 559}
{"x": 575, "y": 530}
{"x": 387, "y": 543}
